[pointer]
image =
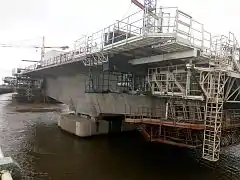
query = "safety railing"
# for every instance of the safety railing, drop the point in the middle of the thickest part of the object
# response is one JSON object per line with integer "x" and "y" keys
{"x": 225, "y": 52}
{"x": 62, "y": 58}
{"x": 167, "y": 20}
{"x": 120, "y": 31}
{"x": 140, "y": 113}
{"x": 193, "y": 31}
{"x": 235, "y": 54}
{"x": 172, "y": 112}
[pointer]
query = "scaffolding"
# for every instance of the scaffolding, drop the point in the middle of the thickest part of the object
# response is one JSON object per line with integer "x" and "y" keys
{"x": 150, "y": 17}
{"x": 166, "y": 28}
{"x": 213, "y": 83}
{"x": 27, "y": 87}
{"x": 115, "y": 82}
{"x": 181, "y": 137}
{"x": 194, "y": 88}
{"x": 213, "y": 116}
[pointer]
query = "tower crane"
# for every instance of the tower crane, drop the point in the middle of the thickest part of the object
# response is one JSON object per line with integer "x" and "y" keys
{"x": 43, "y": 47}
{"x": 148, "y": 4}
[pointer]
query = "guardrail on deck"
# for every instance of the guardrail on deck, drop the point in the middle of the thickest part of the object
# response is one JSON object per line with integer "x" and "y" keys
{"x": 169, "y": 20}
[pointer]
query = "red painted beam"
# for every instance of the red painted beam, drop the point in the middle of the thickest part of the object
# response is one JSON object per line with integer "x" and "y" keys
{"x": 138, "y": 4}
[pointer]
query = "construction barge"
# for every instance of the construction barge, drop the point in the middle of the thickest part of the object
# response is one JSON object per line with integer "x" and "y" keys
{"x": 161, "y": 71}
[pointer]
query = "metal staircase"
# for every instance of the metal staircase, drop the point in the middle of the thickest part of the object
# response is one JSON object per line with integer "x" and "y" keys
{"x": 213, "y": 116}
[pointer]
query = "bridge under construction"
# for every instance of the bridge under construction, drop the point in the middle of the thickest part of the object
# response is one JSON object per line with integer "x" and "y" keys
{"x": 158, "y": 69}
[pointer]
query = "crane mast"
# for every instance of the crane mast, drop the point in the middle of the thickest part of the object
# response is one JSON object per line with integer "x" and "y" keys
{"x": 150, "y": 4}
{"x": 149, "y": 19}
{"x": 149, "y": 7}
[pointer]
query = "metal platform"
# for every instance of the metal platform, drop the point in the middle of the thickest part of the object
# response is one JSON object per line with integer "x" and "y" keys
{"x": 172, "y": 31}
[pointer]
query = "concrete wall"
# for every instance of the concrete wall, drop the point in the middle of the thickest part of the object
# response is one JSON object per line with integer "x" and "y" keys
{"x": 71, "y": 90}
{"x": 66, "y": 84}
{"x": 84, "y": 127}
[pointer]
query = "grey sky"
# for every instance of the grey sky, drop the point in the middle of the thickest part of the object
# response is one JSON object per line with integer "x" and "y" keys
{"x": 63, "y": 21}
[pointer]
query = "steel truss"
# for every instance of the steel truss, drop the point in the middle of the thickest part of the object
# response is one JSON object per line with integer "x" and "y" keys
{"x": 209, "y": 85}
{"x": 180, "y": 110}
{"x": 232, "y": 92}
{"x": 190, "y": 82}
{"x": 176, "y": 80}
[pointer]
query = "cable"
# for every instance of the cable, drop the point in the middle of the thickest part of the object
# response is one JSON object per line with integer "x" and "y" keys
{"x": 129, "y": 7}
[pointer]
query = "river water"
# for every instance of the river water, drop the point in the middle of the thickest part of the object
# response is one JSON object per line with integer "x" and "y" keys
{"x": 46, "y": 152}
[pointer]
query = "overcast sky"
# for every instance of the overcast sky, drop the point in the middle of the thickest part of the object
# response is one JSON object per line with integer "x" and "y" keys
{"x": 63, "y": 21}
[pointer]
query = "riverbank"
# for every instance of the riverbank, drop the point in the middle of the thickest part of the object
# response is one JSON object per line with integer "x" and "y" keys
{"x": 4, "y": 90}
{"x": 37, "y": 108}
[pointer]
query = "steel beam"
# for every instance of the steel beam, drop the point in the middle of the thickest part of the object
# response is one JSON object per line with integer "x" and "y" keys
{"x": 165, "y": 57}
{"x": 138, "y": 4}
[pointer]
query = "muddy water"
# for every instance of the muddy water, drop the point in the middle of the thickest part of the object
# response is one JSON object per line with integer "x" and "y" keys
{"x": 46, "y": 152}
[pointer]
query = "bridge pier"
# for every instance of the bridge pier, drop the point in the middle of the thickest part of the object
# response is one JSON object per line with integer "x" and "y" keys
{"x": 85, "y": 127}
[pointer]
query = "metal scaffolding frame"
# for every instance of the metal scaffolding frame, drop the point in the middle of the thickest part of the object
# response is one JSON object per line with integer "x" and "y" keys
{"x": 213, "y": 116}
{"x": 166, "y": 28}
{"x": 169, "y": 135}
{"x": 174, "y": 112}
{"x": 26, "y": 86}
{"x": 115, "y": 82}
{"x": 195, "y": 89}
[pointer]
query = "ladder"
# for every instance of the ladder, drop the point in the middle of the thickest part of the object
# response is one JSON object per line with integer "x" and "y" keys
{"x": 213, "y": 116}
